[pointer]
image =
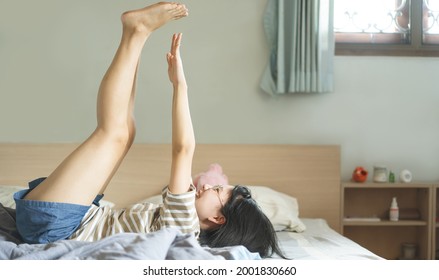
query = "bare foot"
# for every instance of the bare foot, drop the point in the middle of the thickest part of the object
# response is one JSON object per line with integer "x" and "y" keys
{"x": 152, "y": 17}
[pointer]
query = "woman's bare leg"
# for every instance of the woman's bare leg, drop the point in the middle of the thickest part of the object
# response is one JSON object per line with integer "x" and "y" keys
{"x": 131, "y": 127}
{"x": 88, "y": 169}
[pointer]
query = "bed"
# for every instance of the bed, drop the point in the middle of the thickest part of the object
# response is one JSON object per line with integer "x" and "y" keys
{"x": 298, "y": 186}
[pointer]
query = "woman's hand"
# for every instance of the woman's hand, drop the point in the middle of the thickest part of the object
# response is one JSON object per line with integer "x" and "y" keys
{"x": 175, "y": 65}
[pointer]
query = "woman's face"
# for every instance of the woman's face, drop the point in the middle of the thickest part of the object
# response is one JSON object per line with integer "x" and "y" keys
{"x": 210, "y": 199}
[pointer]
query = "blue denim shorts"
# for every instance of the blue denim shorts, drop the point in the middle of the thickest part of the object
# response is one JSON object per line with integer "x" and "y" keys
{"x": 45, "y": 222}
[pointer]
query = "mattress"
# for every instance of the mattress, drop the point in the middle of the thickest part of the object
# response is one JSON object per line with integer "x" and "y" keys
{"x": 320, "y": 242}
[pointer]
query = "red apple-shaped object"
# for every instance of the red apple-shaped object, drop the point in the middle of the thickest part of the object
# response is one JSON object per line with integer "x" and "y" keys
{"x": 359, "y": 174}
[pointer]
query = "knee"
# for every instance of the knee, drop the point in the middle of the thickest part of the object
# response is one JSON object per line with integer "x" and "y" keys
{"x": 131, "y": 132}
{"x": 120, "y": 137}
{"x": 122, "y": 134}
{"x": 126, "y": 135}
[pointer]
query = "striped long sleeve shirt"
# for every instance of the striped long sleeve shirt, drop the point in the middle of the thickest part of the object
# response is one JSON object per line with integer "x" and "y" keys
{"x": 177, "y": 211}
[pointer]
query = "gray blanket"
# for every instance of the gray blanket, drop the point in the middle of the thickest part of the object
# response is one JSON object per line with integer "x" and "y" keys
{"x": 164, "y": 244}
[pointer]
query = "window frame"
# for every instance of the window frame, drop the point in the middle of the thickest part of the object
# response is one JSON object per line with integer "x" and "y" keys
{"x": 415, "y": 48}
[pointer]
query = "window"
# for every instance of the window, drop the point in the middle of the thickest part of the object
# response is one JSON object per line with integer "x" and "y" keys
{"x": 387, "y": 27}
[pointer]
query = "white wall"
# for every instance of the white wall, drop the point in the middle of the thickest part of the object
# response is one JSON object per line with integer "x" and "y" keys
{"x": 384, "y": 110}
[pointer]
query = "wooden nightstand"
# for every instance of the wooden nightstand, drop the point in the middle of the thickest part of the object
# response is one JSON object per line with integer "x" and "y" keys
{"x": 435, "y": 237}
{"x": 365, "y": 217}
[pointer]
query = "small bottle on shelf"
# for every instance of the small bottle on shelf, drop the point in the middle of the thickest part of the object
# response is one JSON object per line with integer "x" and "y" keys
{"x": 391, "y": 177}
{"x": 394, "y": 210}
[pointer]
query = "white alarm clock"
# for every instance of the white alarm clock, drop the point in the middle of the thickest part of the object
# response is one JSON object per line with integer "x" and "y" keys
{"x": 405, "y": 176}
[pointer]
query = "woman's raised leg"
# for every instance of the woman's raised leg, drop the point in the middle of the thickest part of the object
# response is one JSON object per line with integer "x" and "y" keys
{"x": 88, "y": 169}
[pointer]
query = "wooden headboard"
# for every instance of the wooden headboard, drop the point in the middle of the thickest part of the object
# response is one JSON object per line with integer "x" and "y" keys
{"x": 311, "y": 173}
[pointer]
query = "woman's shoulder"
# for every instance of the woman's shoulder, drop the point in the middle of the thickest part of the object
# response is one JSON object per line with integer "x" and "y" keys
{"x": 190, "y": 194}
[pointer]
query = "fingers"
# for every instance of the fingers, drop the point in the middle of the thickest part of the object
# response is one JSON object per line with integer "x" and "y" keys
{"x": 175, "y": 45}
{"x": 168, "y": 58}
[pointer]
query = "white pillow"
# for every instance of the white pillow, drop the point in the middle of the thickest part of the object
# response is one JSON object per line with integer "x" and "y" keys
{"x": 7, "y": 199}
{"x": 280, "y": 208}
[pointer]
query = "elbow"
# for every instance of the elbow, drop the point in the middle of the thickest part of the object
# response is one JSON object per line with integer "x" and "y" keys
{"x": 184, "y": 148}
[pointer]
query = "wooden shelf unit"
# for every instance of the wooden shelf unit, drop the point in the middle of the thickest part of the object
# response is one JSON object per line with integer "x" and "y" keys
{"x": 385, "y": 237}
{"x": 435, "y": 231}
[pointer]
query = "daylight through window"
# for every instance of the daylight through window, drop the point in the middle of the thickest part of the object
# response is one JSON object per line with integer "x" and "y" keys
{"x": 404, "y": 27}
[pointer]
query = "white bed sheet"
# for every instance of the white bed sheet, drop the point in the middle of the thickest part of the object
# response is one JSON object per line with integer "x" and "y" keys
{"x": 320, "y": 242}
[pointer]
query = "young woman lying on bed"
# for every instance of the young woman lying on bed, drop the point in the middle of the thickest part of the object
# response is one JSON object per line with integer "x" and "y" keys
{"x": 65, "y": 205}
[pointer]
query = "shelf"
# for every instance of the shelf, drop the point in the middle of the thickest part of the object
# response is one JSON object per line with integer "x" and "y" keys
{"x": 365, "y": 216}
{"x": 435, "y": 231}
{"x": 386, "y": 223}
{"x": 372, "y": 185}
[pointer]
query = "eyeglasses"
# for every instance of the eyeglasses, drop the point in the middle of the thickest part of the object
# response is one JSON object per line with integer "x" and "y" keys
{"x": 218, "y": 189}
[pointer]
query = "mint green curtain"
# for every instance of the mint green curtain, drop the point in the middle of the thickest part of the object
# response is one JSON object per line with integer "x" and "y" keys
{"x": 301, "y": 40}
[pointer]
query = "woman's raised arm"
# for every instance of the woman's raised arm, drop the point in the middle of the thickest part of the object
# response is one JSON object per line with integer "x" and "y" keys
{"x": 183, "y": 139}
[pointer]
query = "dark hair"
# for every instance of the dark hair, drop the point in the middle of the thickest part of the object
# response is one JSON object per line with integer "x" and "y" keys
{"x": 245, "y": 225}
